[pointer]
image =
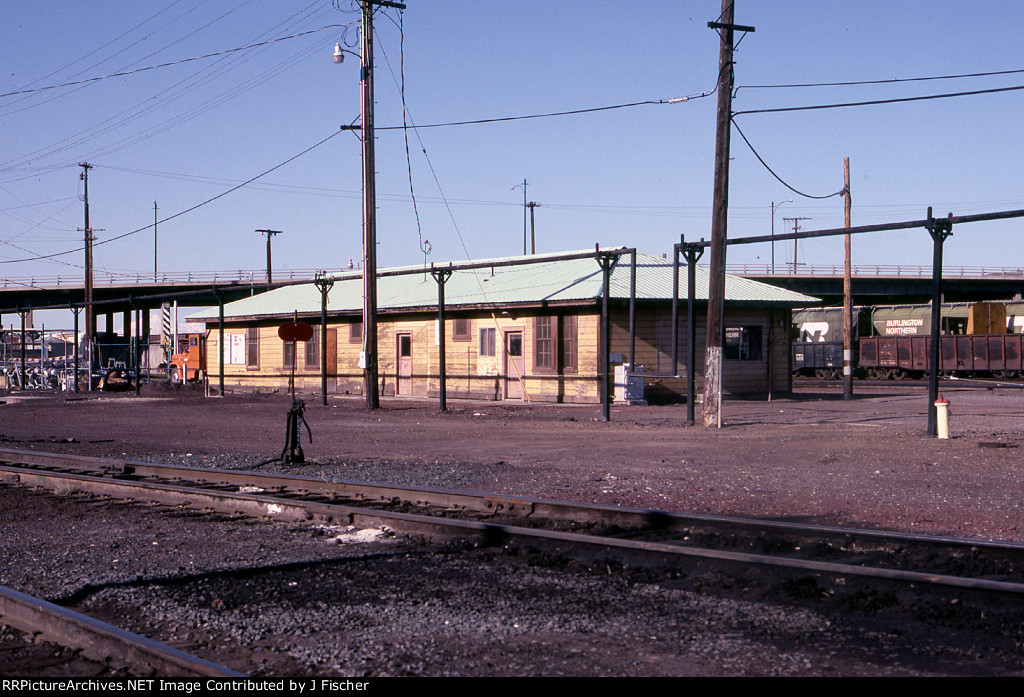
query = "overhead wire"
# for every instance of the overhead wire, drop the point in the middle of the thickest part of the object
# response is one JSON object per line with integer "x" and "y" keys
{"x": 852, "y": 83}
{"x": 772, "y": 172}
{"x": 876, "y": 102}
{"x": 570, "y": 112}
{"x": 179, "y": 213}
{"x": 424, "y": 245}
{"x": 92, "y": 53}
{"x": 184, "y": 87}
{"x": 170, "y": 63}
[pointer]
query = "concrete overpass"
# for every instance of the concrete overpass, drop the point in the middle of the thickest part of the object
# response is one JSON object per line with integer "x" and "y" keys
{"x": 873, "y": 284}
{"x": 881, "y": 284}
{"x": 115, "y": 292}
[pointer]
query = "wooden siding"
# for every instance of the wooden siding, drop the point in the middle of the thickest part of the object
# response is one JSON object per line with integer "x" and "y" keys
{"x": 470, "y": 375}
{"x": 741, "y": 378}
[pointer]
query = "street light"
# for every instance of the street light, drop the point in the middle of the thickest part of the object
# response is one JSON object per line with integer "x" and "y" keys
{"x": 523, "y": 187}
{"x": 774, "y": 206}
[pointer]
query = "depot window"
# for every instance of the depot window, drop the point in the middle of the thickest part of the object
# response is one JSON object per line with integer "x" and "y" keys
{"x": 743, "y": 343}
{"x": 487, "y": 337}
{"x": 252, "y": 347}
{"x": 555, "y": 344}
{"x": 313, "y": 349}
{"x": 461, "y": 330}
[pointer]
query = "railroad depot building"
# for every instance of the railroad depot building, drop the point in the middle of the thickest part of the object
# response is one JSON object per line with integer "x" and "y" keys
{"x": 527, "y": 331}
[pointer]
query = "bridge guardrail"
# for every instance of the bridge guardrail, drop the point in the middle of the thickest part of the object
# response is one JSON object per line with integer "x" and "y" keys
{"x": 874, "y": 270}
{"x": 122, "y": 278}
{"x": 248, "y": 276}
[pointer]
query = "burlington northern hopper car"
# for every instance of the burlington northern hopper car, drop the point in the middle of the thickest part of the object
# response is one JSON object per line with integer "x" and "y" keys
{"x": 892, "y": 341}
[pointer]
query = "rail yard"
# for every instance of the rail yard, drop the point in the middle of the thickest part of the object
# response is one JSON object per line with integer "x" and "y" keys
{"x": 264, "y": 589}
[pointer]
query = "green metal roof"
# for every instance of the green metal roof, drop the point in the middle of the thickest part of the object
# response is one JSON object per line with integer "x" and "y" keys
{"x": 547, "y": 279}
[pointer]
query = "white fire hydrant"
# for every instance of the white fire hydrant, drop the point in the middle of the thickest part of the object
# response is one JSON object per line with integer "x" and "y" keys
{"x": 942, "y": 416}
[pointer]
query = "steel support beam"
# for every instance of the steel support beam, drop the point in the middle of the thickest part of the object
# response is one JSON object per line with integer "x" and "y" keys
{"x": 939, "y": 231}
{"x": 441, "y": 275}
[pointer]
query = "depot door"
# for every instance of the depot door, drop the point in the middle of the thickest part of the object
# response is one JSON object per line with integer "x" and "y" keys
{"x": 332, "y": 360}
{"x": 404, "y": 384}
{"x": 514, "y": 364}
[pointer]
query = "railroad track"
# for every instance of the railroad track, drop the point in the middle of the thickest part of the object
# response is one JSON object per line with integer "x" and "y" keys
{"x": 100, "y": 641}
{"x": 635, "y": 535}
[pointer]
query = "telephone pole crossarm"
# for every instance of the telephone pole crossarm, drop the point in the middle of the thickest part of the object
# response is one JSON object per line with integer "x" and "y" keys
{"x": 730, "y": 26}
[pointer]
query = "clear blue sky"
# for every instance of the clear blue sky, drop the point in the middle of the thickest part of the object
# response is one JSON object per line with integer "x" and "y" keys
{"x": 639, "y": 176}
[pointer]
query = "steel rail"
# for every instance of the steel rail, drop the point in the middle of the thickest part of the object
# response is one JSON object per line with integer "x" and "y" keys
{"x": 476, "y": 502}
{"x": 292, "y": 510}
{"x": 98, "y": 640}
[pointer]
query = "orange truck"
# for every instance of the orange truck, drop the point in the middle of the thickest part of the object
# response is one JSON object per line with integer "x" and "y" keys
{"x": 190, "y": 363}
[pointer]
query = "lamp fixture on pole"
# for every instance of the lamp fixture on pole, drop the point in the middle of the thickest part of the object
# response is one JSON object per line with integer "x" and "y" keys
{"x": 774, "y": 207}
{"x": 368, "y": 359}
{"x": 525, "y": 204}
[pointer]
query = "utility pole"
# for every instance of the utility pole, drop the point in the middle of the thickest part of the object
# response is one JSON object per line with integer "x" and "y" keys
{"x": 796, "y": 228}
{"x": 269, "y": 234}
{"x": 90, "y": 313}
{"x": 368, "y": 357}
{"x": 712, "y": 411}
{"x": 847, "y": 289}
{"x": 154, "y": 242}
{"x": 533, "y": 237}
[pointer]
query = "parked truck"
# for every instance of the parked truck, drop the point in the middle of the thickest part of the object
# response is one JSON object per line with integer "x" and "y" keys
{"x": 190, "y": 364}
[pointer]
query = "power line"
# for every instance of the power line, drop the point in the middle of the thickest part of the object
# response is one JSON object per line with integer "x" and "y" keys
{"x": 875, "y": 102}
{"x": 851, "y": 83}
{"x": 571, "y": 112}
{"x": 179, "y": 213}
{"x": 770, "y": 170}
{"x": 165, "y": 65}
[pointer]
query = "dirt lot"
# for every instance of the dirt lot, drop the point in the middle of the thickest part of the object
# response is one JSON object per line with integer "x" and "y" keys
{"x": 814, "y": 457}
{"x": 275, "y": 599}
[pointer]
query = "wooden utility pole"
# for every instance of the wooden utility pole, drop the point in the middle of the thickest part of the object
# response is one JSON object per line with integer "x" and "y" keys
{"x": 712, "y": 411}
{"x": 533, "y": 230}
{"x": 154, "y": 243}
{"x": 847, "y": 290}
{"x": 90, "y": 313}
{"x": 368, "y": 356}
{"x": 269, "y": 234}
{"x": 370, "y": 386}
{"x": 796, "y": 229}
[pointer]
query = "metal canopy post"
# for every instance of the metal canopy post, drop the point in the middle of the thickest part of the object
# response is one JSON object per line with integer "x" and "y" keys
{"x": 324, "y": 285}
{"x": 675, "y": 303}
{"x": 75, "y": 311}
{"x": 607, "y": 262}
{"x": 220, "y": 342}
{"x": 133, "y": 332}
{"x": 632, "y": 310}
{"x": 692, "y": 252}
{"x": 138, "y": 350}
{"x": 441, "y": 276}
{"x": 24, "y": 369}
{"x": 939, "y": 230}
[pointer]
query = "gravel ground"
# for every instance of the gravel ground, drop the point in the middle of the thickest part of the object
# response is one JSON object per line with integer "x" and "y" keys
{"x": 299, "y": 602}
{"x": 274, "y": 599}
